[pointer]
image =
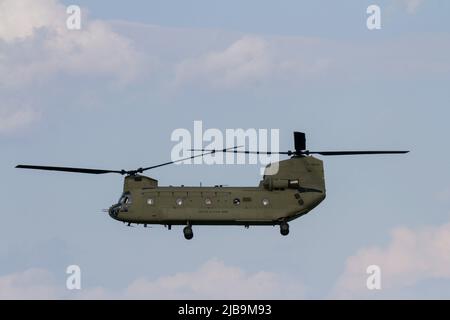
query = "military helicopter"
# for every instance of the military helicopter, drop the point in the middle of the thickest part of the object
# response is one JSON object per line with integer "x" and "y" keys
{"x": 296, "y": 188}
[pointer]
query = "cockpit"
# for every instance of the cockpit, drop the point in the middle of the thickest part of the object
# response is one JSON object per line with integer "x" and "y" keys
{"x": 122, "y": 205}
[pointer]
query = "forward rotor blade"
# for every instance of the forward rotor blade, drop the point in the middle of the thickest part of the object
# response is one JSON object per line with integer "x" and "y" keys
{"x": 347, "y": 153}
{"x": 188, "y": 158}
{"x": 101, "y": 171}
{"x": 69, "y": 169}
{"x": 306, "y": 152}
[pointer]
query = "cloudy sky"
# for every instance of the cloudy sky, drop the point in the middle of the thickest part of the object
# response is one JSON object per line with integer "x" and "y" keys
{"x": 110, "y": 95}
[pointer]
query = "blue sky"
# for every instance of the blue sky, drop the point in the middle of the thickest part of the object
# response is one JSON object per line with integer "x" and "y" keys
{"x": 111, "y": 94}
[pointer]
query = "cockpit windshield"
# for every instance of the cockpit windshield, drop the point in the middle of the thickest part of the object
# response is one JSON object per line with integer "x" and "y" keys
{"x": 125, "y": 199}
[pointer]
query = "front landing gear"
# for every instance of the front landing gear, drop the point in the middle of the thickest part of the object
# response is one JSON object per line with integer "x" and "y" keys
{"x": 284, "y": 228}
{"x": 188, "y": 233}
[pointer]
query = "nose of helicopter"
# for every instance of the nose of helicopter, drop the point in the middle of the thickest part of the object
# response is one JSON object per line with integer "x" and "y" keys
{"x": 114, "y": 211}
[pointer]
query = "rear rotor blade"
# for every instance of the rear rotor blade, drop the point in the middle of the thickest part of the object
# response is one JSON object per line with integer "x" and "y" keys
{"x": 307, "y": 152}
{"x": 70, "y": 169}
{"x": 346, "y": 153}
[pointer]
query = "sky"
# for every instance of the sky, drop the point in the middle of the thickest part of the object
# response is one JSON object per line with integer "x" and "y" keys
{"x": 110, "y": 95}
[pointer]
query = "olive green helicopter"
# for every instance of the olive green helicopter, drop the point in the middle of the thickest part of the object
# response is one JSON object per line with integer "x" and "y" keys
{"x": 296, "y": 187}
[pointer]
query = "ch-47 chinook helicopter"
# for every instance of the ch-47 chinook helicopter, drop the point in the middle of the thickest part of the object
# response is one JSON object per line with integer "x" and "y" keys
{"x": 296, "y": 188}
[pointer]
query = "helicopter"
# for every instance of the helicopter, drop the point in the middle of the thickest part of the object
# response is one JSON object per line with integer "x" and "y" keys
{"x": 293, "y": 190}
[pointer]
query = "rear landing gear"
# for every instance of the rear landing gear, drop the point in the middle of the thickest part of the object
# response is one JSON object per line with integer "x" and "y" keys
{"x": 188, "y": 233}
{"x": 284, "y": 228}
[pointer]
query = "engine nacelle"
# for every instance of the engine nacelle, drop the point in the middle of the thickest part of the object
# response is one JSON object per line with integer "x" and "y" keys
{"x": 271, "y": 183}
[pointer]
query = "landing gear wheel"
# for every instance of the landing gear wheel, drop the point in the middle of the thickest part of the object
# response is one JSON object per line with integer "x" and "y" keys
{"x": 188, "y": 234}
{"x": 284, "y": 228}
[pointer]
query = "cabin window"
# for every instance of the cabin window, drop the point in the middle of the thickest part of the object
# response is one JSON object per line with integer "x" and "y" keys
{"x": 236, "y": 201}
{"x": 179, "y": 202}
{"x": 150, "y": 201}
{"x": 208, "y": 201}
{"x": 265, "y": 202}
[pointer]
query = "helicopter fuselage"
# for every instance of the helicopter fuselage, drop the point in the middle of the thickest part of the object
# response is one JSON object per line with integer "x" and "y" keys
{"x": 296, "y": 188}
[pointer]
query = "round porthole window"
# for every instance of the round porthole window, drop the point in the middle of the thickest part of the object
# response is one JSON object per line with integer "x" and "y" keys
{"x": 236, "y": 201}
{"x": 208, "y": 201}
{"x": 150, "y": 201}
{"x": 265, "y": 202}
{"x": 179, "y": 202}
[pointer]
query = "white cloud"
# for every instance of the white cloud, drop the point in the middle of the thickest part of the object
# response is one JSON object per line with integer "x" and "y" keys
{"x": 246, "y": 60}
{"x": 252, "y": 60}
{"x": 19, "y": 19}
{"x": 36, "y": 44}
{"x": 12, "y": 120}
{"x": 410, "y": 257}
{"x": 36, "y": 47}
{"x": 30, "y": 284}
{"x": 213, "y": 280}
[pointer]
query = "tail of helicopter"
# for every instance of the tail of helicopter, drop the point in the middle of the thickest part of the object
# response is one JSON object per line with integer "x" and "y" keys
{"x": 304, "y": 176}
{"x": 302, "y": 173}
